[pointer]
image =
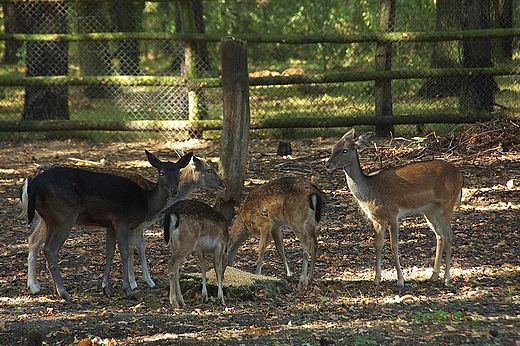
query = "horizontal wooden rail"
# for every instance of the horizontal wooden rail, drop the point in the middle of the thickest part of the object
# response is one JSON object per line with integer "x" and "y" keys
{"x": 133, "y": 125}
{"x": 204, "y": 125}
{"x": 112, "y": 80}
{"x": 412, "y": 36}
{"x": 256, "y": 81}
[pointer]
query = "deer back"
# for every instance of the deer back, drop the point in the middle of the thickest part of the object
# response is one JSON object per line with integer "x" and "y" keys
{"x": 190, "y": 221}
{"x": 91, "y": 198}
{"x": 396, "y": 191}
{"x": 286, "y": 200}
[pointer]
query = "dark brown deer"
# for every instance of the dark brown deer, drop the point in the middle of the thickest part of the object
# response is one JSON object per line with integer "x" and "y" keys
{"x": 64, "y": 197}
{"x": 287, "y": 201}
{"x": 431, "y": 188}
{"x": 197, "y": 174}
{"x": 195, "y": 226}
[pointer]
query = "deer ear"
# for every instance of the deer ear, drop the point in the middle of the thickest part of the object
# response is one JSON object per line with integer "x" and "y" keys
{"x": 363, "y": 139}
{"x": 185, "y": 160}
{"x": 349, "y": 135}
{"x": 154, "y": 161}
{"x": 196, "y": 161}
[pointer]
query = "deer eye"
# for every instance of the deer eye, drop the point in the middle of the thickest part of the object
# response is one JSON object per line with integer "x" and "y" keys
{"x": 210, "y": 171}
{"x": 345, "y": 151}
{"x": 161, "y": 174}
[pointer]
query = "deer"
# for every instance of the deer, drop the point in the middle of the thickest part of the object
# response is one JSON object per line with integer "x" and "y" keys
{"x": 197, "y": 174}
{"x": 189, "y": 226}
{"x": 431, "y": 188}
{"x": 287, "y": 201}
{"x": 65, "y": 197}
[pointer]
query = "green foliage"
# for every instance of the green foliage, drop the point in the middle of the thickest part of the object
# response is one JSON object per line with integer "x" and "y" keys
{"x": 438, "y": 316}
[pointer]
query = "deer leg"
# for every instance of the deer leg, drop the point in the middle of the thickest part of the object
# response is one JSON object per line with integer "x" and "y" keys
{"x": 56, "y": 236}
{"x": 122, "y": 236}
{"x": 36, "y": 240}
{"x": 314, "y": 252}
{"x": 276, "y": 233}
{"x": 202, "y": 260}
{"x": 110, "y": 250}
{"x": 141, "y": 249}
{"x": 394, "y": 245}
{"x": 305, "y": 263}
{"x": 440, "y": 224}
{"x": 264, "y": 239}
{"x": 174, "y": 263}
{"x": 132, "y": 245}
{"x": 173, "y": 268}
{"x": 378, "y": 241}
{"x": 219, "y": 271}
{"x": 449, "y": 240}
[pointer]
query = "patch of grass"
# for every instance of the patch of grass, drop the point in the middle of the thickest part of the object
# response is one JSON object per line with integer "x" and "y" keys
{"x": 438, "y": 317}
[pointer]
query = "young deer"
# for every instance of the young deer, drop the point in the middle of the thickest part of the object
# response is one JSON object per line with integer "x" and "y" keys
{"x": 430, "y": 188}
{"x": 64, "y": 197}
{"x": 196, "y": 174}
{"x": 288, "y": 201}
{"x": 195, "y": 226}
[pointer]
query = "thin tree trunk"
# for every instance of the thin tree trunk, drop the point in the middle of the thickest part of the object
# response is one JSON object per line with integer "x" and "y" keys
{"x": 127, "y": 17}
{"x": 234, "y": 141}
{"x": 46, "y": 59}
{"x": 13, "y": 23}
{"x": 95, "y": 58}
{"x": 477, "y": 91}
{"x": 445, "y": 54}
{"x": 383, "y": 87}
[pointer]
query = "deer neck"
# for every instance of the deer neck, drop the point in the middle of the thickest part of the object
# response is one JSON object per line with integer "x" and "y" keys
{"x": 358, "y": 182}
{"x": 186, "y": 187}
{"x": 156, "y": 199}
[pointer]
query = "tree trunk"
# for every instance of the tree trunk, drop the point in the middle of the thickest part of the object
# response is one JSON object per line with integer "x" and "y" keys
{"x": 13, "y": 23}
{"x": 127, "y": 17}
{"x": 197, "y": 105}
{"x": 95, "y": 59}
{"x": 383, "y": 87}
{"x": 46, "y": 58}
{"x": 505, "y": 21}
{"x": 445, "y": 54}
{"x": 203, "y": 63}
{"x": 478, "y": 90}
{"x": 234, "y": 141}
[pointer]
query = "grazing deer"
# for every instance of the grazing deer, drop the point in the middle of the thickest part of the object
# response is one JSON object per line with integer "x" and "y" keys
{"x": 196, "y": 174}
{"x": 287, "y": 201}
{"x": 65, "y": 197}
{"x": 195, "y": 226}
{"x": 431, "y": 188}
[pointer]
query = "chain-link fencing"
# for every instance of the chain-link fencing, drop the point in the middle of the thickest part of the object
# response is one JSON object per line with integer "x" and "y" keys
{"x": 335, "y": 74}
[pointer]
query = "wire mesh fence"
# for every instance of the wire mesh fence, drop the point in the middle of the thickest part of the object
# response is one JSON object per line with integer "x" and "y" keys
{"x": 343, "y": 77}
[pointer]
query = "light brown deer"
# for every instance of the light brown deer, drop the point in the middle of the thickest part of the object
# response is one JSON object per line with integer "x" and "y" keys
{"x": 294, "y": 202}
{"x": 431, "y": 188}
{"x": 195, "y": 226}
{"x": 65, "y": 197}
{"x": 197, "y": 174}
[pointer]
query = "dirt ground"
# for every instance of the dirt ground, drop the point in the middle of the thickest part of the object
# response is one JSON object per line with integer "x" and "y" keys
{"x": 481, "y": 306}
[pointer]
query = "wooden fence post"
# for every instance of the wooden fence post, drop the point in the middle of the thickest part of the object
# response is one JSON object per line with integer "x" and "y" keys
{"x": 383, "y": 87}
{"x": 234, "y": 141}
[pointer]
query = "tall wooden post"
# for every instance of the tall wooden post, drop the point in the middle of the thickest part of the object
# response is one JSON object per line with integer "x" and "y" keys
{"x": 383, "y": 87}
{"x": 234, "y": 141}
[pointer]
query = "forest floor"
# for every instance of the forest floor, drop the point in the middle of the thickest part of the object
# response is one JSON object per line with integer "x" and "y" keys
{"x": 480, "y": 306}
